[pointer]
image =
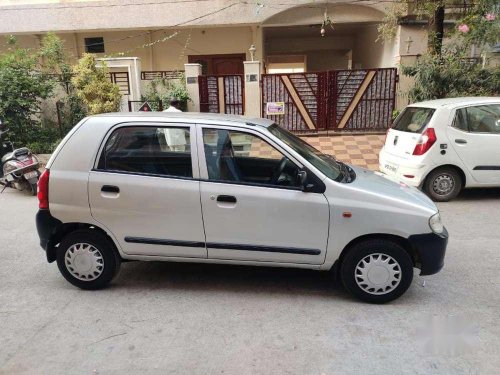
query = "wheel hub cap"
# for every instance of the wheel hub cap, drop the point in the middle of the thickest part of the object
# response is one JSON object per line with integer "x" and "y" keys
{"x": 443, "y": 184}
{"x": 378, "y": 274}
{"x": 84, "y": 261}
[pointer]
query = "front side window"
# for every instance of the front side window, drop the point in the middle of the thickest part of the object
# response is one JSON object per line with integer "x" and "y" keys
{"x": 242, "y": 157}
{"x": 153, "y": 150}
{"x": 479, "y": 119}
{"x": 324, "y": 163}
{"x": 413, "y": 119}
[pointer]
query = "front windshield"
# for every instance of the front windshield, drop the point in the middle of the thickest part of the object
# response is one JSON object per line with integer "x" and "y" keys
{"x": 326, "y": 164}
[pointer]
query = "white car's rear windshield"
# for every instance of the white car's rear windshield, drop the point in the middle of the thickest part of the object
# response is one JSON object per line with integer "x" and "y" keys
{"x": 413, "y": 119}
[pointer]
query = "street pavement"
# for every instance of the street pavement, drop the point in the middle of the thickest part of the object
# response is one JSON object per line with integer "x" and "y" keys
{"x": 167, "y": 318}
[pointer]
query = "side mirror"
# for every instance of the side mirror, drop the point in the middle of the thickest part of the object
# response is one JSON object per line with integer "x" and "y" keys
{"x": 302, "y": 176}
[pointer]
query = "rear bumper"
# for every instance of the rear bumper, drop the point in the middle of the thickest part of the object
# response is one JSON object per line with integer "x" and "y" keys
{"x": 46, "y": 226}
{"x": 431, "y": 249}
{"x": 403, "y": 169}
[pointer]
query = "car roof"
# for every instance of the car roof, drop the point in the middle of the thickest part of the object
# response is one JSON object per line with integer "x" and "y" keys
{"x": 189, "y": 117}
{"x": 453, "y": 102}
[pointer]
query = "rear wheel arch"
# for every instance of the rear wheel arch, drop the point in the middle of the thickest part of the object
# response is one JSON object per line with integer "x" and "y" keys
{"x": 453, "y": 166}
{"x": 67, "y": 228}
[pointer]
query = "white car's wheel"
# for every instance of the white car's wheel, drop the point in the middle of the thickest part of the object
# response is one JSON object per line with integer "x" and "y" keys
{"x": 443, "y": 184}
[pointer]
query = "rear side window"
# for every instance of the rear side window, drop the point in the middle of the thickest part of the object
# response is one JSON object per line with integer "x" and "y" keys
{"x": 413, "y": 119}
{"x": 479, "y": 119}
{"x": 152, "y": 150}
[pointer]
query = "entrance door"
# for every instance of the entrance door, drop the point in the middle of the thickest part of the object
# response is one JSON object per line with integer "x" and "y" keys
{"x": 475, "y": 136}
{"x": 219, "y": 64}
{"x": 253, "y": 208}
{"x": 145, "y": 191}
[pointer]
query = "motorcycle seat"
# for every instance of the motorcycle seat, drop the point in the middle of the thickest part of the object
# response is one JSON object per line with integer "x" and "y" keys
{"x": 15, "y": 154}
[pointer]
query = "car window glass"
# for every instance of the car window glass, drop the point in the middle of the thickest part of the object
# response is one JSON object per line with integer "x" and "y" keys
{"x": 243, "y": 157}
{"x": 459, "y": 121}
{"x": 152, "y": 150}
{"x": 483, "y": 118}
{"x": 413, "y": 119}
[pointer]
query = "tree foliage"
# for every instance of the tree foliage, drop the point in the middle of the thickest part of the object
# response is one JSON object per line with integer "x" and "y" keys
{"x": 94, "y": 88}
{"x": 449, "y": 70}
{"x": 167, "y": 90}
{"x": 23, "y": 86}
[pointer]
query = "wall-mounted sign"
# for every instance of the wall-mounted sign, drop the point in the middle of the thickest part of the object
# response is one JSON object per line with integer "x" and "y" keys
{"x": 275, "y": 108}
{"x": 252, "y": 78}
{"x": 191, "y": 80}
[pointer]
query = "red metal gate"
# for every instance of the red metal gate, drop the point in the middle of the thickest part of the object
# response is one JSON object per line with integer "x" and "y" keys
{"x": 340, "y": 100}
{"x": 222, "y": 94}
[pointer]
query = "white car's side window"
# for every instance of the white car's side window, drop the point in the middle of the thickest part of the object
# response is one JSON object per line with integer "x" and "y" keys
{"x": 479, "y": 119}
{"x": 243, "y": 157}
{"x": 150, "y": 150}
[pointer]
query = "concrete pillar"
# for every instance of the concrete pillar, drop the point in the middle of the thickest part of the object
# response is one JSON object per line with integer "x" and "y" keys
{"x": 252, "y": 89}
{"x": 192, "y": 71}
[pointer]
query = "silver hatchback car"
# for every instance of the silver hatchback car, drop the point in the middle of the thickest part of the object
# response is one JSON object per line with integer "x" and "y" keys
{"x": 224, "y": 189}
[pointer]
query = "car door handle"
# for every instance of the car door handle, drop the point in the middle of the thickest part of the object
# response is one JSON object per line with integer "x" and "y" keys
{"x": 110, "y": 189}
{"x": 226, "y": 199}
{"x": 461, "y": 141}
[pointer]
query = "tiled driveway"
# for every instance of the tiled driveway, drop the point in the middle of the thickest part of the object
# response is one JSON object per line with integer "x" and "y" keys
{"x": 360, "y": 150}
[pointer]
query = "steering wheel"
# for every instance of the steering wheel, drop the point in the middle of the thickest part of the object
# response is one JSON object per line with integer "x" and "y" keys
{"x": 277, "y": 173}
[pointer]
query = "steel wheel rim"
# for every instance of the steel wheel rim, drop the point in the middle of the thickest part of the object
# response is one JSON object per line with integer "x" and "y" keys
{"x": 84, "y": 261}
{"x": 443, "y": 184}
{"x": 378, "y": 274}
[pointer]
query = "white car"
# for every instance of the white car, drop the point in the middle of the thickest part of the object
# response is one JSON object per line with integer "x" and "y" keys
{"x": 444, "y": 145}
{"x": 237, "y": 191}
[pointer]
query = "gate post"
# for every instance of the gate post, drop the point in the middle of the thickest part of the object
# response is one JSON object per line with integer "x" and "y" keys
{"x": 252, "y": 97}
{"x": 192, "y": 71}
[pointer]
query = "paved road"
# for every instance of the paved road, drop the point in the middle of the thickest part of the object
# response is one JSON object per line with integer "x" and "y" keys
{"x": 202, "y": 319}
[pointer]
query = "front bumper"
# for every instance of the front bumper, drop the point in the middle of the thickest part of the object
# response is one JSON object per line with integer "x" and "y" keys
{"x": 431, "y": 249}
{"x": 46, "y": 226}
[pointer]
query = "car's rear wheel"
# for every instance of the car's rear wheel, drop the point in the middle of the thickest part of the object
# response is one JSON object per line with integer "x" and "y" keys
{"x": 377, "y": 271}
{"x": 87, "y": 259}
{"x": 443, "y": 184}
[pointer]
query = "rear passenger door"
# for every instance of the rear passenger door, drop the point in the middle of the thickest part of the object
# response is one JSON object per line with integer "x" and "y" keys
{"x": 475, "y": 136}
{"x": 144, "y": 189}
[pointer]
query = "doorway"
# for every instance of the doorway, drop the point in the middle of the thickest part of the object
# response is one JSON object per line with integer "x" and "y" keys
{"x": 219, "y": 64}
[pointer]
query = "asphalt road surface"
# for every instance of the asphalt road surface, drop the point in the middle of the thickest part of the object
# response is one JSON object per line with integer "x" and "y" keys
{"x": 173, "y": 318}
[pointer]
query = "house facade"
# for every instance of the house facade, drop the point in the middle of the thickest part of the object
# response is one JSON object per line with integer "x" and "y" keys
{"x": 143, "y": 39}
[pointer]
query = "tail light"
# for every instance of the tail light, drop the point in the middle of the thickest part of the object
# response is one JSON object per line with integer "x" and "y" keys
{"x": 43, "y": 190}
{"x": 425, "y": 142}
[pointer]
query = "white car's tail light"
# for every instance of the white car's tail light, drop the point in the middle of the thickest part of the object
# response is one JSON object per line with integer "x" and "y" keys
{"x": 425, "y": 142}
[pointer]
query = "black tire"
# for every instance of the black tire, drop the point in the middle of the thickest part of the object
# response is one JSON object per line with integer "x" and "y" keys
{"x": 443, "y": 184}
{"x": 108, "y": 255}
{"x": 350, "y": 275}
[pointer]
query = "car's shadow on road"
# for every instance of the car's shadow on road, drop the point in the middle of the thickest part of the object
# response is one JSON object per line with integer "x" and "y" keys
{"x": 478, "y": 194}
{"x": 227, "y": 278}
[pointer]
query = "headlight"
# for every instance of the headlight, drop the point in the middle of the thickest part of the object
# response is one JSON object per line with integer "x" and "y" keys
{"x": 436, "y": 224}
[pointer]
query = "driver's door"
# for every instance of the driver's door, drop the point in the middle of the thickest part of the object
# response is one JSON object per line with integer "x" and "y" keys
{"x": 253, "y": 208}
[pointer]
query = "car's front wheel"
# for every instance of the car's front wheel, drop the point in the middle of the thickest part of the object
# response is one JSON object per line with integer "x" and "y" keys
{"x": 87, "y": 259}
{"x": 377, "y": 271}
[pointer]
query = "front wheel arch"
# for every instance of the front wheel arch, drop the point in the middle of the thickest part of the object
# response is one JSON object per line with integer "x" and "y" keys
{"x": 401, "y": 241}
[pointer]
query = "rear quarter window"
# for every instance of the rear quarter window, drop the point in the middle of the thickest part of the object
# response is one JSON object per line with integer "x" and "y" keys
{"x": 413, "y": 119}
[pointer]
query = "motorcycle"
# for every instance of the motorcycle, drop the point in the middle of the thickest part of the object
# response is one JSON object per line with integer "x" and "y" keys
{"x": 19, "y": 166}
